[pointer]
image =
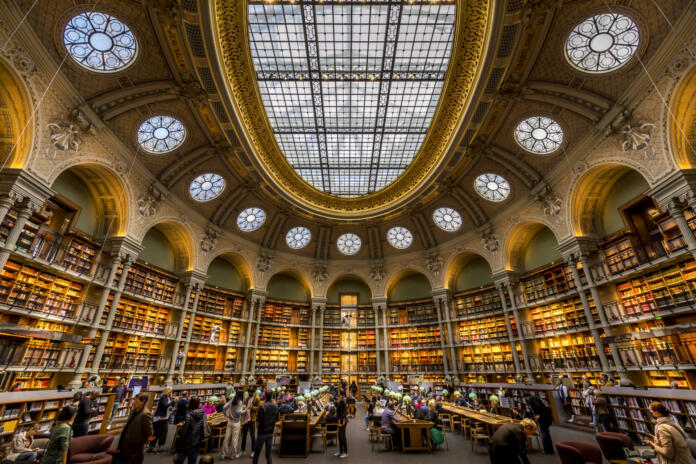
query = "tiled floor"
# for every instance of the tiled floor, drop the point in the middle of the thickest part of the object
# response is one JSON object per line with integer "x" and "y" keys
{"x": 359, "y": 450}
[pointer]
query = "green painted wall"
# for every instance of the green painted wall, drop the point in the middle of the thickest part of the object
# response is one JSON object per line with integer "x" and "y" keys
{"x": 542, "y": 249}
{"x": 72, "y": 188}
{"x": 157, "y": 250}
{"x": 476, "y": 274}
{"x": 222, "y": 273}
{"x": 411, "y": 287}
{"x": 286, "y": 287}
{"x": 628, "y": 187}
{"x": 349, "y": 286}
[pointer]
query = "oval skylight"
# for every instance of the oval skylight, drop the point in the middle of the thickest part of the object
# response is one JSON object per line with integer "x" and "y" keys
{"x": 492, "y": 187}
{"x": 161, "y": 134}
{"x": 251, "y": 219}
{"x": 539, "y": 134}
{"x": 399, "y": 237}
{"x": 298, "y": 237}
{"x": 206, "y": 186}
{"x": 602, "y": 43}
{"x": 447, "y": 219}
{"x": 99, "y": 42}
{"x": 348, "y": 244}
{"x": 350, "y": 89}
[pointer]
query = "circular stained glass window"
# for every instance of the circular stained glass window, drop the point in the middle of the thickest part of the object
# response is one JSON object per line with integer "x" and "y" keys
{"x": 251, "y": 219}
{"x": 492, "y": 187}
{"x": 206, "y": 186}
{"x": 348, "y": 244}
{"x": 447, "y": 219}
{"x": 298, "y": 237}
{"x": 99, "y": 42}
{"x": 539, "y": 134}
{"x": 161, "y": 134}
{"x": 400, "y": 237}
{"x": 602, "y": 43}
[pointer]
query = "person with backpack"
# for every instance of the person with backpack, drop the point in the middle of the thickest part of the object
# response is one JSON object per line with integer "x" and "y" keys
{"x": 543, "y": 418}
{"x": 193, "y": 433}
{"x": 670, "y": 441}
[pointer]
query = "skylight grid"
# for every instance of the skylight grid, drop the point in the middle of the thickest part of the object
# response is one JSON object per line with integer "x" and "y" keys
{"x": 350, "y": 88}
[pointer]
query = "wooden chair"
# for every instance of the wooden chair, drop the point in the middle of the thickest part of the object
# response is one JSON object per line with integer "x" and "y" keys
{"x": 373, "y": 434}
{"x": 466, "y": 427}
{"x": 445, "y": 418}
{"x": 319, "y": 432}
{"x": 478, "y": 433}
{"x": 330, "y": 433}
{"x": 455, "y": 421}
{"x": 442, "y": 428}
{"x": 386, "y": 439}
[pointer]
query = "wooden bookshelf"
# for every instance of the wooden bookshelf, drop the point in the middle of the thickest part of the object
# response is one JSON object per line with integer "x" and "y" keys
{"x": 272, "y": 336}
{"x": 414, "y": 337}
{"x": 126, "y": 352}
{"x": 332, "y": 317}
{"x": 485, "y": 329}
{"x": 149, "y": 282}
{"x": 366, "y": 317}
{"x": 138, "y": 316}
{"x": 220, "y": 302}
{"x": 417, "y": 361}
{"x": 411, "y": 312}
{"x": 80, "y": 254}
{"x": 286, "y": 312}
{"x": 488, "y": 358}
{"x": 560, "y": 316}
{"x": 367, "y": 339}
{"x": 561, "y": 353}
{"x": 367, "y": 361}
{"x": 272, "y": 361}
{"x": 26, "y": 287}
{"x": 549, "y": 281}
{"x": 621, "y": 253}
{"x": 206, "y": 329}
{"x": 331, "y": 339}
{"x": 331, "y": 361}
{"x": 205, "y": 357}
{"x": 474, "y": 302}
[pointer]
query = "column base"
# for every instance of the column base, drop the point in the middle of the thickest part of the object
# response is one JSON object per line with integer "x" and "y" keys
{"x": 624, "y": 381}
{"x": 76, "y": 382}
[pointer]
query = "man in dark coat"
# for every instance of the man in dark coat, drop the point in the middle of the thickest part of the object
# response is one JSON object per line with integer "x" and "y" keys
{"x": 544, "y": 418}
{"x": 136, "y": 433}
{"x": 509, "y": 443}
{"x": 266, "y": 419}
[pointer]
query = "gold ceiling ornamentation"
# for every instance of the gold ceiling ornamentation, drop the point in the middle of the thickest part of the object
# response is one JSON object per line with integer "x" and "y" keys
{"x": 472, "y": 34}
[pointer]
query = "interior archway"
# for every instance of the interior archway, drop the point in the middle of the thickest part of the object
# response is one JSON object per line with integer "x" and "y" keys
{"x": 17, "y": 129}
{"x": 168, "y": 245}
{"x": 288, "y": 285}
{"x": 682, "y": 122}
{"x": 467, "y": 271}
{"x": 229, "y": 271}
{"x": 530, "y": 245}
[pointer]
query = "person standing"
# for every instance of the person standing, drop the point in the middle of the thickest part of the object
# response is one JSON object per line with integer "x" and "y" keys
{"x": 85, "y": 410}
{"x": 233, "y": 413}
{"x": 136, "y": 433}
{"x": 121, "y": 393}
{"x": 161, "y": 419}
{"x": 669, "y": 440}
{"x": 57, "y": 450}
{"x": 192, "y": 433}
{"x": 266, "y": 418}
{"x": 601, "y": 407}
{"x": 564, "y": 394}
{"x": 342, "y": 419}
{"x": 544, "y": 419}
{"x": 509, "y": 443}
{"x": 251, "y": 407}
{"x": 181, "y": 408}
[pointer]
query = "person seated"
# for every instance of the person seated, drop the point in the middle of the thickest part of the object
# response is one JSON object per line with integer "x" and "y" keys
{"x": 209, "y": 406}
{"x": 388, "y": 421}
{"x": 420, "y": 412}
{"x": 285, "y": 408}
{"x": 4, "y": 452}
{"x": 21, "y": 449}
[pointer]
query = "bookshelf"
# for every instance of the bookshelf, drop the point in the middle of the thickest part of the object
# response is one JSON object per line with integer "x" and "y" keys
{"x": 206, "y": 329}
{"x": 417, "y": 361}
{"x": 332, "y": 317}
{"x": 564, "y": 315}
{"x": 366, "y": 317}
{"x": 126, "y": 352}
{"x": 331, "y": 339}
{"x": 621, "y": 253}
{"x": 80, "y": 254}
{"x": 29, "y": 288}
{"x": 476, "y": 302}
{"x": 485, "y": 329}
{"x": 28, "y": 235}
{"x": 411, "y": 337}
{"x": 367, "y": 339}
{"x": 138, "y": 316}
{"x": 367, "y": 361}
{"x": 286, "y": 312}
{"x": 220, "y": 302}
{"x": 272, "y": 336}
{"x": 561, "y": 353}
{"x": 272, "y": 361}
{"x": 147, "y": 281}
{"x": 205, "y": 357}
{"x": 330, "y": 362}
{"x": 411, "y": 312}
{"x": 549, "y": 281}
{"x": 490, "y": 358}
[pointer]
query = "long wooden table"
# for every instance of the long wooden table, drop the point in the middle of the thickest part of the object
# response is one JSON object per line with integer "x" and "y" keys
{"x": 494, "y": 420}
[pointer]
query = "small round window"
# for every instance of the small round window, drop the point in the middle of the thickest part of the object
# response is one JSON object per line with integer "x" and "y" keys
{"x": 99, "y": 42}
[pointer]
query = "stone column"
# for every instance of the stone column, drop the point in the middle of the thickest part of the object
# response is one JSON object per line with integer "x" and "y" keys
{"x": 251, "y": 308}
{"x": 26, "y": 209}
{"x": 110, "y": 317}
{"x": 197, "y": 288}
{"x": 511, "y": 337}
{"x": 260, "y": 300}
{"x": 676, "y": 211}
{"x": 312, "y": 342}
{"x": 378, "y": 359}
{"x": 319, "y": 305}
{"x": 380, "y": 306}
{"x": 179, "y": 332}
{"x": 599, "y": 346}
{"x": 440, "y": 300}
{"x": 116, "y": 260}
{"x": 6, "y": 203}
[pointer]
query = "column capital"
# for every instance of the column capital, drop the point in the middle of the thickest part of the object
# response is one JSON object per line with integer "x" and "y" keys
{"x": 679, "y": 185}
{"x": 21, "y": 185}
{"x": 195, "y": 278}
{"x": 574, "y": 248}
{"x": 379, "y": 303}
{"x": 256, "y": 295}
{"x": 124, "y": 247}
{"x": 319, "y": 303}
{"x": 505, "y": 278}
{"x": 441, "y": 294}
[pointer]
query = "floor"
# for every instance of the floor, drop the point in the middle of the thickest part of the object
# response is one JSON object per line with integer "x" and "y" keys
{"x": 359, "y": 450}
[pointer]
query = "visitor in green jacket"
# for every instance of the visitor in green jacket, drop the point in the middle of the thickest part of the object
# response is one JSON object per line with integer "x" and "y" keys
{"x": 57, "y": 451}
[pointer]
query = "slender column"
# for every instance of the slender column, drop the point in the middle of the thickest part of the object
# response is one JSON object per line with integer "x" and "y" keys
{"x": 5, "y": 205}
{"x": 588, "y": 313}
{"x": 25, "y": 211}
{"x": 247, "y": 338}
{"x": 321, "y": 309}
{"x": 438, "y": 313}
{"x": 677, "y": 212}
{"x": 511, "y": 337}
{"x": 197, "y": 288}
{"x": 387, "y": 353}
{"x": 179, "y": 332}
{"x": 518, "y": 321}
{"x": 259, "y": 304}
{"x": 312, "y": 342}
{"x": 105, "y": 294}
{"x": 110, "y": 318}
{"x": 377, "y": 350}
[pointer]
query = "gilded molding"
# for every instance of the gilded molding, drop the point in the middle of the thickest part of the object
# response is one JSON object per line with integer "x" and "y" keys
{"x": 471, "y": 39}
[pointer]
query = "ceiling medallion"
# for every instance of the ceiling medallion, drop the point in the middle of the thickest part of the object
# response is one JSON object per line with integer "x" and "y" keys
{"x": 470, "y": 42}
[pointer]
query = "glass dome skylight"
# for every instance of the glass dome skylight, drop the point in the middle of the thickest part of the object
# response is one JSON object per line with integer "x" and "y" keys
{"x": 298, "y": 237}
{"x": 206, "y": 186}
{"x": 348, "y": 244}
{"x": 251, "y": 219}
{"x": 399, "y": 237}
{"x": 350, "y": 88}
{"x": 603, "y": 42}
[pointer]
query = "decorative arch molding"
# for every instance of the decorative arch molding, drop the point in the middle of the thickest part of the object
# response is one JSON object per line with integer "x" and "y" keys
{"x": 682, "y": 121}
{"x": 588, "y": 192}
{"x": 180, "y": 238}
{"x": 457, "y": 261}
{"x": 517, "y": 238}
{"x": 17, "y": 131}
{"x": 108, "y": 189}
{"x": 240, "y": 262}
